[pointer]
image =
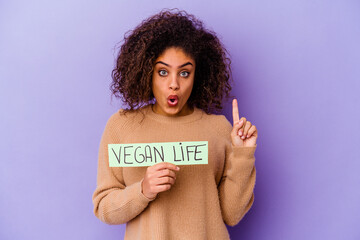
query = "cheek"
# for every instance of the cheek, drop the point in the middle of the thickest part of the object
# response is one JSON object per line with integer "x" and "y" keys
{"x": 189, "y": 87}
{"x": 157, "y": 86}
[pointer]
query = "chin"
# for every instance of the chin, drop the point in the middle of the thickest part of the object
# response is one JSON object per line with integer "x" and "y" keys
{"x": 171, "y": 111}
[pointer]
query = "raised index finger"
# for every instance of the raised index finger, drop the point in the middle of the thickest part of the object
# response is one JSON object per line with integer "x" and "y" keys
{"x": 235, "y": 111}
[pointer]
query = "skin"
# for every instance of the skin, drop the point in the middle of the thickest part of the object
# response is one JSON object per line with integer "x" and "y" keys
{"x": 168, "y": 79}
{"x": 243, "y": 134}
{"x": 173, "y": 74}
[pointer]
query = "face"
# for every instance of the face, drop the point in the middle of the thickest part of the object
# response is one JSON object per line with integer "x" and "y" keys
{"x": 172, "y": 82}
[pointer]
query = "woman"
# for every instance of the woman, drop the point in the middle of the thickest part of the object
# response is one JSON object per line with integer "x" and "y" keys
{"x": 173, "y": 73}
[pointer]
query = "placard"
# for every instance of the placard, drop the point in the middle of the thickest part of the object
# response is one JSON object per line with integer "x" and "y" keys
{"x": 148, "y": 154}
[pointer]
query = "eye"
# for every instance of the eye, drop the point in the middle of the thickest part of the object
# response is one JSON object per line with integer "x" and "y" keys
{"x": 184, "y": 74}
{"x": 163, "y": 73}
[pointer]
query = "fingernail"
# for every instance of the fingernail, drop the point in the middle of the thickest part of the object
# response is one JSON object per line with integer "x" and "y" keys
{"x": 240, "y": 132}
{"x": 177, "y": 168}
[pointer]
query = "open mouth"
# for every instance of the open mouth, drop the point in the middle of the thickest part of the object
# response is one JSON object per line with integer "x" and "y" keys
{"x": 173, "y": 100}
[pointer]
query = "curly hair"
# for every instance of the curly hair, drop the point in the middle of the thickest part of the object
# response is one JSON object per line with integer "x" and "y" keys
{"x": 132, "y": 75}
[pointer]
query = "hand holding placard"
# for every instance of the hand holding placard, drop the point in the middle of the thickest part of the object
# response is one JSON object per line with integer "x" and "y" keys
{"x": 158, "y": 178}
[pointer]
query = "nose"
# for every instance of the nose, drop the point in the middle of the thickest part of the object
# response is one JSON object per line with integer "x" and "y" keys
{"x": 174, "y": 83}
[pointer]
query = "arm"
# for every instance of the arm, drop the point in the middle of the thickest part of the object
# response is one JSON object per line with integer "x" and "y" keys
{"x": 114, "y": 202}
{"x": 237, "y": 184}
{"x": 236, "y": 189}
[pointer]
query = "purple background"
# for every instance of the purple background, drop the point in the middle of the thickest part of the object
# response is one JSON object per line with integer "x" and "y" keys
{"x": 296, "y": 75}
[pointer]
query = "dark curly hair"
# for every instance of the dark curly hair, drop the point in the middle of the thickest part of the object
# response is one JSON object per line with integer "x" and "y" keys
{"x": 132, "y": 76}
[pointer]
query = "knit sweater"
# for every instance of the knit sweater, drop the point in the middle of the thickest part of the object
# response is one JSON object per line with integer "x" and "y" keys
{"x": 204, "y": 197}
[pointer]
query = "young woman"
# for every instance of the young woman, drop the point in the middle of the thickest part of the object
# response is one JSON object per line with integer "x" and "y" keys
{"x": 173, "y": 74}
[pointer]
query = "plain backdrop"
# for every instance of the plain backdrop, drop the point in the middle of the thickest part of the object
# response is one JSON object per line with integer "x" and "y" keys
{"x": 296, "y": 69}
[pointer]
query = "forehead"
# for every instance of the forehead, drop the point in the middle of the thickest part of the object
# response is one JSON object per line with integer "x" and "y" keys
{"x": 175, "y": 57}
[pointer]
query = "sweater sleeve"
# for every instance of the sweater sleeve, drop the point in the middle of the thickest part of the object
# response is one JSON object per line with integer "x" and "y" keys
{"x": 114, "y": 202}
{"x": 236, "y": 188}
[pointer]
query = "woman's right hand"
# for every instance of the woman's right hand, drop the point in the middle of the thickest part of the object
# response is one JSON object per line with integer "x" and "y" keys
{"x": 158, "y": 178}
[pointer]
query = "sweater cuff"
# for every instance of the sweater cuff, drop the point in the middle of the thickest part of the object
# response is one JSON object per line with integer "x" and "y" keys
{"x": 247, "y": 152}
{"x": 142, "y": 196}
{"x": 244, "y": 156}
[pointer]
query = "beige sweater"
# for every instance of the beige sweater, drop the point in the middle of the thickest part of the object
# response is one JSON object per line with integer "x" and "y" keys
{"x": 203, "y": 198}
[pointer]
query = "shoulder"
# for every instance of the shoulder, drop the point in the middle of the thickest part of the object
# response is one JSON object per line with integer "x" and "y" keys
{"x": 124, "y": 118}
{"x": 219, "y": 123}
{"x": 116, "y": 118}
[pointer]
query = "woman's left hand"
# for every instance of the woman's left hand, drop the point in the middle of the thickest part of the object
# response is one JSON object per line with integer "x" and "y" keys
{"x": 243, "y": 134}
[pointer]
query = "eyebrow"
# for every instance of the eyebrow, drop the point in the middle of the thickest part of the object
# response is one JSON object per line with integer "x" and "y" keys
{"x": 185, "y": 64}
